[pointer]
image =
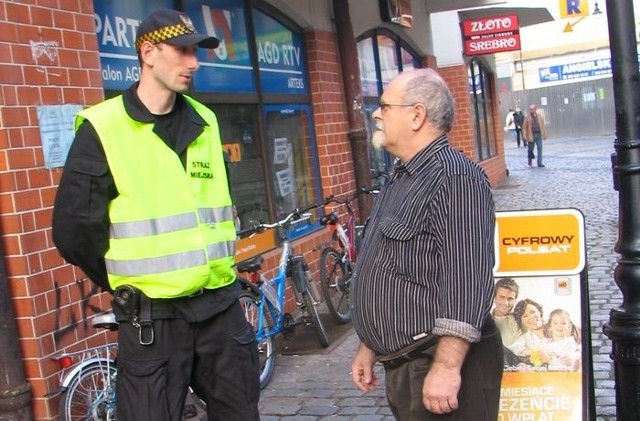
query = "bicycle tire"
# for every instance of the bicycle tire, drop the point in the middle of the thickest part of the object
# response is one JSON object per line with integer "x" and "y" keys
{"x": 266, "y": 347}
{"x": 311, "y": 309}
{"x": 91, "y": 394}
{"x": 335, "y": 285}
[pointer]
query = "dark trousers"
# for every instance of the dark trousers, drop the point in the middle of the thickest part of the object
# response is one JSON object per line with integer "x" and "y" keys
{"x": 479, "y": 395}
{"x": 519, "y": 136}
{"x": 217, "y": 357}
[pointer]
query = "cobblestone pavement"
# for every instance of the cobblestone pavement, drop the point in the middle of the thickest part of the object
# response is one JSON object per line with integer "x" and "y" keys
{"x": 577, "y": 175}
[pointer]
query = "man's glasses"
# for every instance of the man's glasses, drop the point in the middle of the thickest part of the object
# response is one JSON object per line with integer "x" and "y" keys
{"x": 384, "y": 106}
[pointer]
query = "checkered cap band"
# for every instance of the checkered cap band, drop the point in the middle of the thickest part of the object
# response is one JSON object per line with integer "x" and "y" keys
{"x": 163, "y": 34}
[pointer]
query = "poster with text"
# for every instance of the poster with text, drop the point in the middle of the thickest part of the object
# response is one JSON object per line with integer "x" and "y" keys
{"x": 540, "y": 308}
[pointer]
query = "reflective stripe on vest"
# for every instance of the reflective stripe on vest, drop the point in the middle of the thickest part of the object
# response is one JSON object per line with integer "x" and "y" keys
{"x": 171, "y": 223}
{"x": 150, "y": 266}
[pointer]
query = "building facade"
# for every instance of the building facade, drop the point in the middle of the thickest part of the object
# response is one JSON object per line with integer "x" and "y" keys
{"x": 276, "y": 84}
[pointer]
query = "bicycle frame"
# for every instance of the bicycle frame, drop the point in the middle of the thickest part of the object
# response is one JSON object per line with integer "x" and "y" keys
{"x": 265, "y": 306}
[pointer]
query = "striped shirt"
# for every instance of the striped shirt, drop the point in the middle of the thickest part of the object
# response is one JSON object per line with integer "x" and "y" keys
{"x": 426, "y": 264}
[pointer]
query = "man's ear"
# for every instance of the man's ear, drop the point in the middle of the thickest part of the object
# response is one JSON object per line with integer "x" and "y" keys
{"x": 419, "y": 117}
{"x": 146, "y": 53}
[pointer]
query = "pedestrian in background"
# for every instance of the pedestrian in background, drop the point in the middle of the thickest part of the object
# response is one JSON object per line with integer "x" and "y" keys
{"x": 518, "y": 119}
{"x": 510, "y": 124}
{"x": 423, "y": 285}
{"x": 534, "y": 132}
{"x": 131, "y": 214}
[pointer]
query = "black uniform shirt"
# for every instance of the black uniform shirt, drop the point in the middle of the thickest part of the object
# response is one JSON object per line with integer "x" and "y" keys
{"x": 80, "y": 215}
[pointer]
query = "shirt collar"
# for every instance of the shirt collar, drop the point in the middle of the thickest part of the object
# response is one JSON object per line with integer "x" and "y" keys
{"x": 423, "y": 156}
{"x": 139, "y": 112}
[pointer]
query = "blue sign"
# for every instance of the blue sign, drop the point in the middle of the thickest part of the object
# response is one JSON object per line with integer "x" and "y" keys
{"x": 580, "y": 70}
{"x": 116, "y": 27}
{"x": 228, "y": 68}
{"x": 280, "y": 57}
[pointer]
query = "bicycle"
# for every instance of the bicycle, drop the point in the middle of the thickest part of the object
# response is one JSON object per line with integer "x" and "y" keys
{"x": 263, "y": 303}
{"x": 88, "y": 380}
{"x": 336, "y": 266}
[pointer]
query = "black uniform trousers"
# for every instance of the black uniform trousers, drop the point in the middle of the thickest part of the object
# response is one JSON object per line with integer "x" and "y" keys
{"x": 217, "y": 357}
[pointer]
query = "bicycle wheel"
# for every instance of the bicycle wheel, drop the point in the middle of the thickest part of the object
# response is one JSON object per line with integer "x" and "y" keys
{"x": 335, "y": 285}
{"x": 91, "y": 394}
{"x": 266, "y": 347}
{"x": 310, "y": 308}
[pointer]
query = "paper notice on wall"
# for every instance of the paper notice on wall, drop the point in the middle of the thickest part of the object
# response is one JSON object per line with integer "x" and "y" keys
{"x": 56, "y": 132}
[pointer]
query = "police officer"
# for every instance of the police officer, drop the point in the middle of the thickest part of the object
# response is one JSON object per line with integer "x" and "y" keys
{"x": 144, "y": 209}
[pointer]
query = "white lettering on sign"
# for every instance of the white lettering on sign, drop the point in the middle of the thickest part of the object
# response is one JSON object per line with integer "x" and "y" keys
{"x": 587, "y": 66}
{"x": 499, "y": 24}
{"x": 270, "y": 53}
{"x": 295, "y": 83}
{"x": 116, "y": 31}
{"x": 493, "y": 44}
{"x": 131, "y": 74}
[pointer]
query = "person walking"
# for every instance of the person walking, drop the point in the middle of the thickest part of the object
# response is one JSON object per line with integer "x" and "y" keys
{"x": 518, "y": 119}
{"x": 534, "y": 132}
{"x": 510, "y": 124}
{"x": 423, "y": 284}
{"x": 134, "y": 217}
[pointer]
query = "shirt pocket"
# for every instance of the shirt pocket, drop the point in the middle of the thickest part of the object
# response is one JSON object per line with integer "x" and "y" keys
{"x": 400, "y": 246}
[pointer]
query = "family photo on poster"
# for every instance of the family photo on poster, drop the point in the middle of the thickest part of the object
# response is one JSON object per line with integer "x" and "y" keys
{"x": 539, "y": 320}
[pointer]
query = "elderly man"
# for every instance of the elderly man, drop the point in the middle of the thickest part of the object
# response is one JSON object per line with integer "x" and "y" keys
{"x": 423, "y": 285}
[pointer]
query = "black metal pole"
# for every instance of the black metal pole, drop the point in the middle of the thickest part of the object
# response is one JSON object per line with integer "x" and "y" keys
{"x": 624, "y": 321}
{"x": 15, "y": 392}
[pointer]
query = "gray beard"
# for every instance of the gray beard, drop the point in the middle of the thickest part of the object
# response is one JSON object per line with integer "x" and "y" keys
{"x": 377, "y": 140}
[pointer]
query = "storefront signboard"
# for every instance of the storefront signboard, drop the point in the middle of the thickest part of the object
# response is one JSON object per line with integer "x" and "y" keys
{"x": 491, "y": 35}
{"x": 228, "y": 68}
{"x": 280, "y": 57}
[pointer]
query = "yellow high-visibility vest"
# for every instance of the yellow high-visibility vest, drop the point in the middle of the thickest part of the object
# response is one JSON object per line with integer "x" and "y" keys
{"x": 171, "y": 231}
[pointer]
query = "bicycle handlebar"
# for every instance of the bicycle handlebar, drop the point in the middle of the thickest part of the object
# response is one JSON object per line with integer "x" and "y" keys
{"x": 297, "y": 213}
{"x": 350, "y": 198}
{"x": 262, "y": 226}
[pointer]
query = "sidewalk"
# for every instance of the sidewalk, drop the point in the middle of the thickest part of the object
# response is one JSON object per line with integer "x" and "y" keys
{"x": 577, "y": 175}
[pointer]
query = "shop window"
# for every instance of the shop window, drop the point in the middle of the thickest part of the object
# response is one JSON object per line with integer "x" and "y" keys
{"x": 481, "y": 93}
{"x": 239, "y": 131}
{"x": 292, "y": 157}
{"x": 389, "y": 67}
{"x": 382, "y": 56}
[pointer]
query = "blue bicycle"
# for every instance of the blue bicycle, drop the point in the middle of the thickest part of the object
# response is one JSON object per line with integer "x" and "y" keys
{"x": 263, "y": 303}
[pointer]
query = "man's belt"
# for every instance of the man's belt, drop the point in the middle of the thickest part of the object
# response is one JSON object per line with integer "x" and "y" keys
{"x": 416, "y": 350}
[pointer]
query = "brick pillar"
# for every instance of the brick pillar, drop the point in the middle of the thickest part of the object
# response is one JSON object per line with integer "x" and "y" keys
{"x": 48, "y": 56}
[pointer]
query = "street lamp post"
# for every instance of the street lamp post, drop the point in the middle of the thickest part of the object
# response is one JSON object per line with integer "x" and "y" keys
{"x": 624, "y": 321}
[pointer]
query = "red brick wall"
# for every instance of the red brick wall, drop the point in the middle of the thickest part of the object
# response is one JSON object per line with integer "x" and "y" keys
{"x": 462, "y": 136}
{"x": 49, "y": 305}
{"x": 329, "y": 113}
